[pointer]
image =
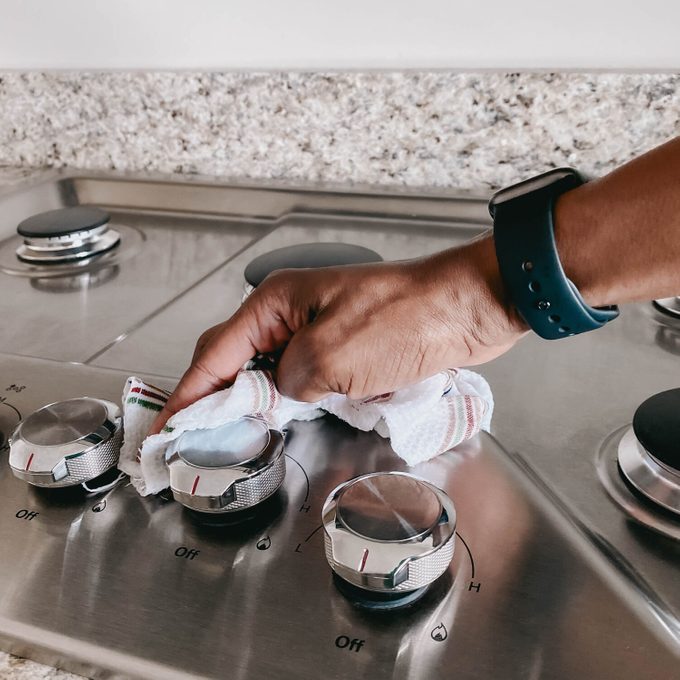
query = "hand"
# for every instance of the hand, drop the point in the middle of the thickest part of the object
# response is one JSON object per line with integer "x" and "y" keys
{"x": 360, "y": 330}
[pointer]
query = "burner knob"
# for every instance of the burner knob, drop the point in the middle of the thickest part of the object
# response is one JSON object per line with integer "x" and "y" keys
{"x": 389, "y": 532}
{"x": 649, "y": 453}
{"x": 67, "y": 443}
{"x": 227, "y": 469}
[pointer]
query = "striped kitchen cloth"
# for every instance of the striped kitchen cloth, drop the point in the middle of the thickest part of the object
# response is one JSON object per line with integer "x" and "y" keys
{"x": 422, "y": 420}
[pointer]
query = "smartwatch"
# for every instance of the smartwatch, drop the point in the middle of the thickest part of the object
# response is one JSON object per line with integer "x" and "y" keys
{"x": 530, "y": 268}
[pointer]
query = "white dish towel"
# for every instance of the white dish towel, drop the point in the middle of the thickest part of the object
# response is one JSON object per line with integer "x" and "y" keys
{"x": 421, "y": 421}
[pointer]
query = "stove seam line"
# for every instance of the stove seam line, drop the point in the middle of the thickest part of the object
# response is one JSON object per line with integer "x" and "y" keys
{"x": 177, "y": 297}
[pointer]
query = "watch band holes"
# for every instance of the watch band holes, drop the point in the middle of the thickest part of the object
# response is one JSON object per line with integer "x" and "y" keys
{"x": 564, "y": 329}
{"x": 554, "y": 318}
{"x": 534, "y": 286}
{"x": 527, "y": 266}
{"x": 543, "y": 305}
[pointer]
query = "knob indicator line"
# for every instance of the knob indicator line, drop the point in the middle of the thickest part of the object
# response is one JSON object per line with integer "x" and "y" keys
{"x": 472, "y": 562}
{"x": 364, "y": 557}
{"x": 14, "y": 408}
{"x": 195, "y": 485}
{"x": 304, "y": 472}
{"x": 30, "y": 460}
{"x": 313, "y": 532}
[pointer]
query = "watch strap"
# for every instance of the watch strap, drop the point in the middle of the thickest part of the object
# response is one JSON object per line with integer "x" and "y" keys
{"x": 531, "y": 270}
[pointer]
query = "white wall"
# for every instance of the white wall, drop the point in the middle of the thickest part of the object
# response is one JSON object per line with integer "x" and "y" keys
{"x": 346, "y": 34}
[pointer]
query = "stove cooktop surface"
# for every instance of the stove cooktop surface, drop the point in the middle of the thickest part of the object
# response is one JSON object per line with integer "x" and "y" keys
{"x": 552, "y": 576}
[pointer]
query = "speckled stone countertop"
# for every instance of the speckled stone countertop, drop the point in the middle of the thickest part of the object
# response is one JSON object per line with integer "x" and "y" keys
{"x": 14, "y": 668}
{"x": 466, "y": 131}
{"x": 442, "y": 129}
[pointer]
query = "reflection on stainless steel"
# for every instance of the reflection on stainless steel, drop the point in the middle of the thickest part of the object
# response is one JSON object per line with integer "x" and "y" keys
{"x": 389, "y": 532}
{"x": 550, "y": 579}
{"x": 76, "y": 282}
{"x": 388, "y": 507}
{"x": 669, "y": 339}
{"x": 669, "y": 306}
{"x": 230, "y": 468}
{"x": 67, "y": 443}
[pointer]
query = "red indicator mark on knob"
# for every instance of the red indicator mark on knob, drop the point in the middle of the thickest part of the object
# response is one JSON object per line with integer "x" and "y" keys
{"x": 30, "y": 460}
{"x": 364, "y": 557}
{"x": 193, "y": 488}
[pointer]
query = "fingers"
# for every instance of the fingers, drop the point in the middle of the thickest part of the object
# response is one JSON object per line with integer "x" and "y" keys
{"x": 307, "y": 369}
{"x": 216, "y": 363}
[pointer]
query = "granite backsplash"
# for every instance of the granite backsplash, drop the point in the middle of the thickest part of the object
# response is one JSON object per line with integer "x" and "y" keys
{"x": 443, "y": 129}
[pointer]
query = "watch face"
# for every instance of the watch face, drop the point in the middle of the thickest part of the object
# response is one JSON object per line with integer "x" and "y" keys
{"x": 530, "y": 185}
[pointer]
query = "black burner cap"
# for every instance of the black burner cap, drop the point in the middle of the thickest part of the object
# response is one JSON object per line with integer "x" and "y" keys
{"x": 62, "y": 222}
{"x": 656, "y": 424}
{"x": 305, "y": 256}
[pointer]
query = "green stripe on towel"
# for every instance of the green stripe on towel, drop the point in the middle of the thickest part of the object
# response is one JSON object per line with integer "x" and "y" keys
{"x": 144, "y": 403}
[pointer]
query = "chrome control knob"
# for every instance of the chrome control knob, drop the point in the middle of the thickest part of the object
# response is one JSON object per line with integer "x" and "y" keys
{"x": 67, "y": 443}
{"x": 389, "y": 532}
{"x": 230, "y": 468}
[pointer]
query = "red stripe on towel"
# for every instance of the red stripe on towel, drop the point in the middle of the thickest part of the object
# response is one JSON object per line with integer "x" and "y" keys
{"x": 148, "y": 393}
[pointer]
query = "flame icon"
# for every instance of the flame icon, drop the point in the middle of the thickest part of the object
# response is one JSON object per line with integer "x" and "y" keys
{"x": 439, "y": 634}
{"x": 98, "y": 507}
{"x": 264, "y": 543}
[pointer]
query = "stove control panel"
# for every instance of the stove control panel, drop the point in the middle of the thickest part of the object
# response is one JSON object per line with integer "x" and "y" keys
{"x": 248, "y": 551}
{"x": 388, "y": 536}
{"x": 67, "y": 443}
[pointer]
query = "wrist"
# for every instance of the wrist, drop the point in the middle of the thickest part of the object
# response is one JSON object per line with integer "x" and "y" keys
{"x": 575, "y": 223}
{"x": 465, "y": 283}
{"x": 482, "y": 255}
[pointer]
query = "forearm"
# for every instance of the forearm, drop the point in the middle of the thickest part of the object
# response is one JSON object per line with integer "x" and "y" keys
{"x": 618, "y": 237}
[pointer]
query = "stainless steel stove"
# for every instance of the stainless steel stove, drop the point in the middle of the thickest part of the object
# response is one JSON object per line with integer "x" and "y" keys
{"x": 560, "y": 569}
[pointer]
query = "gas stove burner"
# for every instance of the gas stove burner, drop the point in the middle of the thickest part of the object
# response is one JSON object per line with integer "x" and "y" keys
{"x": 669, "y": 306}
{"x": 305, "y": 256}
{"x": 66, "y": 235}
{"x": 649, "y": 452}
{"x": 388, "y": 537}
{"x": 227, "y": 469}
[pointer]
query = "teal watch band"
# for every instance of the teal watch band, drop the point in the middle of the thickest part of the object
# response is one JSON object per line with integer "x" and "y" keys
{"x": 529, "y": 262}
